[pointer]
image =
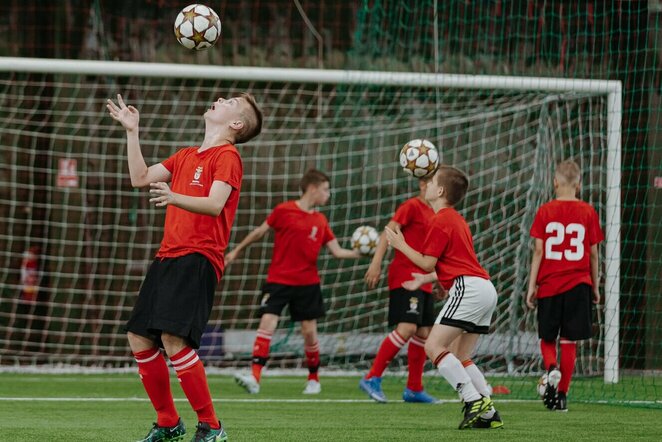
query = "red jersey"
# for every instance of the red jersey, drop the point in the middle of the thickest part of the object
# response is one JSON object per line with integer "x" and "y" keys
{"x": 299, "y": 236}
{"x": 449, "y": 239}
{"x": 193, "y": 174}
{"x": 413, "y": 216}
{"x": 568, "y": 229}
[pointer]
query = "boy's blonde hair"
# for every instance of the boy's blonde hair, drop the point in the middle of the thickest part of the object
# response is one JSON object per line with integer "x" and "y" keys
{"x": 568, "y": 173}
{"x": 252, "y": 120}
{"x": 454, "y": 182}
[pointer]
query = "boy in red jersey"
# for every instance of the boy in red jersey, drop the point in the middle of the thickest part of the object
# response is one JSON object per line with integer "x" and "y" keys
{"x": 564, "y": 278}
{"x": 300, "y": 233}
{"x": 412, "y": 312}
{"x": 177, "y": 295}
{"x": 448, "y": 250}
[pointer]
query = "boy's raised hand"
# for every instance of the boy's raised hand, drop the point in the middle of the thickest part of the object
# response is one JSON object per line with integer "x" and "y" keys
{"x": 128, "y": 116}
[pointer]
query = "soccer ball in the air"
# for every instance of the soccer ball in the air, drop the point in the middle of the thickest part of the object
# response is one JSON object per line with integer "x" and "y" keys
{"x": 542, "y": 385}
{"x": 419, "y": 158}
{"x": 197, "y": 27}
{"x": 365, "y": 239}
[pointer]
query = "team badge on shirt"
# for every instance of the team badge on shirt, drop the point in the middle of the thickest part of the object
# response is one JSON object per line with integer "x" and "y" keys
{"x": 196, "y": 177}
{"x": 413, "y": 305}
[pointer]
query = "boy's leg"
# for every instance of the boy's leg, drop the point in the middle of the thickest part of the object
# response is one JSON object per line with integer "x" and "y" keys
{"x": 192, "y": 378}
{"x": 265, "y": 331}
{"x": 390, "y": 347}
{"x": 311, "y": 348}
{"x": 416, "y": 359}
{"x": 447, "y": 363}
{"x": 568, "y": 358}
{"x": 155, "y": 377}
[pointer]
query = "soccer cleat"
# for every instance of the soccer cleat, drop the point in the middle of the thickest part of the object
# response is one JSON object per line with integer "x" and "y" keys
{"x": 312, "y": 387}
{"x": 248, "y": 382}
{"x": 491, "y": 423}
{"x": 473, "y": 410}
{"x": 561, "y": 402}
{"x": 373, "y": 387}
{"x": 205, "y": 433}
{"x": 553, "y": 379}
{"x": 418, "y": 396}
{"x": 166, "y": 434}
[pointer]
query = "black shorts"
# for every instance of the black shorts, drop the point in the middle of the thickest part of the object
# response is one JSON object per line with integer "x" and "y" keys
{"x": 567, "y": 315}
{"x": 415, "y": 307}
{"x": 305, "y": 301}
{"x": 176, "y": 297}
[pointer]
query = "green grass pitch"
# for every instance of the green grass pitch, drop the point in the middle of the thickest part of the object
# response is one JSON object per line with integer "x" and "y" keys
{"x": 114, "y": 407}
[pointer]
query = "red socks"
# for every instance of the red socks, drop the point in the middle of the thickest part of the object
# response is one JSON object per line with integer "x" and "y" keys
{"x": 193, "y": 379}
{"x": 155, "y": 377}
{"x": 260, "y": 352}
{"x": 416, "y": 360}
{"x": 313, "y": 361}
{"x": 548, "y": 350}
{"x": 390, "y": 347}
{"x": 568, "y": 358}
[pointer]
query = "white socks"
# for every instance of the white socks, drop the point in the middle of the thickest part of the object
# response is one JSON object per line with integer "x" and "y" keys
{"x": 452, "y": 370}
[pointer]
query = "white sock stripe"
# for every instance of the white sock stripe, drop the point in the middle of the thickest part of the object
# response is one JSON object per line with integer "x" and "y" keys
{"x": 151, "y": 358}
{"x": 315, "y": 347}
{"x": 267, "y": 337}
{"x": 188, "y": 364}
{"x": 417, "y": 341}
{"x": 396, "y": 339}
{"x": 183, "y": 359}
{"x": 565, "y": 341}
{"x": 264, "y": 332}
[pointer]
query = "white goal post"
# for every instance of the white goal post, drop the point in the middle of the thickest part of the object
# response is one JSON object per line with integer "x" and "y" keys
{"x": 609, "y": 88}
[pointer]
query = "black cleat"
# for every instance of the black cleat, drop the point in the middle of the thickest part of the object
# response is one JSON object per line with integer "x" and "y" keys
{"x": 561, "y": 402}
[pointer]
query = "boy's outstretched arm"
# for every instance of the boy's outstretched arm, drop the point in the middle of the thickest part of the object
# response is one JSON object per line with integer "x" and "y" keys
{"x": 252, "y": 237}
{"x": 536, "y": 259}
{"x": 339, "y": 252}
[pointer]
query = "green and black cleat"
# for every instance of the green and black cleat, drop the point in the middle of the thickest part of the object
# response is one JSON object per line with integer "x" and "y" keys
{"x": 491, "y": 423}
{"x": 166, "y": 434}
{"x": 204, "y": 433}
{"x": 473, "y": 410}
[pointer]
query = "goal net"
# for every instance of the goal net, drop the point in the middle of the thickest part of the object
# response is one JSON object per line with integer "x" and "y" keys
{"x": 77, "y": 239}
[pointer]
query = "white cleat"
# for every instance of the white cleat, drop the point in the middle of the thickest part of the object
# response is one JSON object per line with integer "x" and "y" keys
{"x": 312, "y": 387}
{"x": 248, "y": 382}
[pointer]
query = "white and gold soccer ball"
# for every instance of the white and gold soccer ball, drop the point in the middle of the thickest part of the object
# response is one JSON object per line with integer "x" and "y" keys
{"x": 365, "y": 240}
{"x": 197, "y": 27}
{"x": 419, "y": 158}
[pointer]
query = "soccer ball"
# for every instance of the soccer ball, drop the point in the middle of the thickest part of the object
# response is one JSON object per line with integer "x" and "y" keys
{"x": 197, "y": 27}
{"x": 365, "y": 239}
{"x": 542, "y": 385}
{"x": 419, "y": 158}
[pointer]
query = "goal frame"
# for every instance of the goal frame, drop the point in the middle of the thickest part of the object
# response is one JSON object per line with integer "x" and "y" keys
{"x": 611, "y": 88}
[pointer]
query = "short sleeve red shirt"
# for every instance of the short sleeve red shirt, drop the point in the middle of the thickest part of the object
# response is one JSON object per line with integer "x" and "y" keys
{"x": 449, "y": 239}
{"x": 413, "y": 216}
{"x": 193, "y": 173}
{"x": 567, "y": 229}
{"x": 299, "y": 237}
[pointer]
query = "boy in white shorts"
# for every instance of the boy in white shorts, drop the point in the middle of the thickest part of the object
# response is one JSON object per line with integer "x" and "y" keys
{"x": 448, "y": 253}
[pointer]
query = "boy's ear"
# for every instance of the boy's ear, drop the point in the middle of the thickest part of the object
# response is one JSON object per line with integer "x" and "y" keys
{"x": 237, "y": 125}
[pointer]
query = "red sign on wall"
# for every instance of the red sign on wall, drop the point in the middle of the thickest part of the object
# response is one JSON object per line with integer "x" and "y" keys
{"x": 67, "y": 175}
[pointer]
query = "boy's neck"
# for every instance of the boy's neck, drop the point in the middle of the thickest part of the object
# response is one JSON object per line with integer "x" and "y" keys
{"x": 439, "y": 204}
{"x": 215, "y": 138}
{"x": 564, "y": 193}
{"x": 305, "y": 203}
